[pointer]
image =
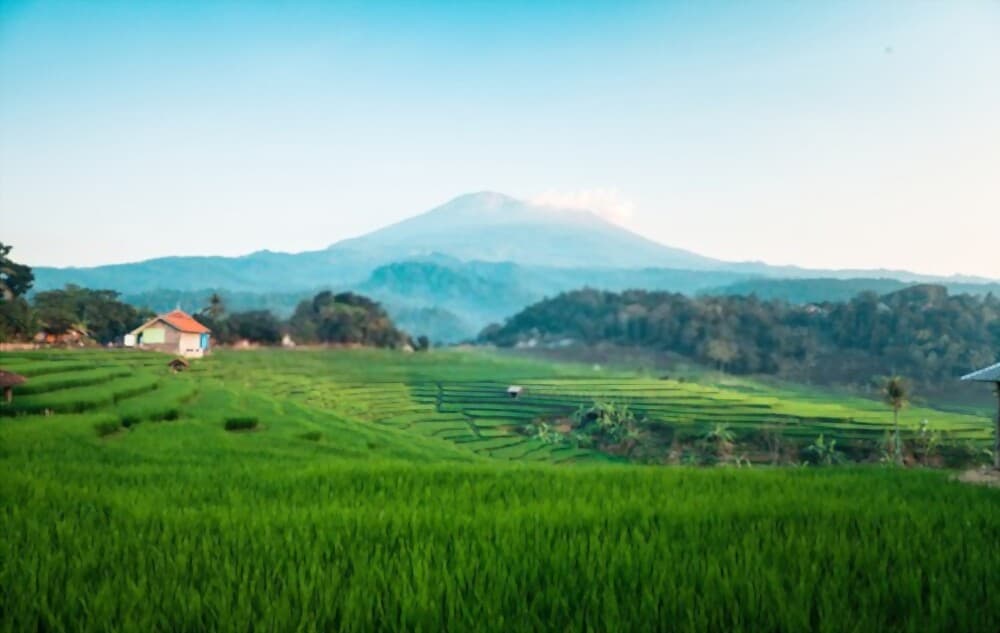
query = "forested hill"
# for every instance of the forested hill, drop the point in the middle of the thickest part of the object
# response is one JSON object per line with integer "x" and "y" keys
{"x": 812, "y": 290}
{"x": 921, "y": 332}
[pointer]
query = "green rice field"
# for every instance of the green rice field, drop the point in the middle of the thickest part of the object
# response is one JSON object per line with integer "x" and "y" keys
{"x": 361, "y": 490}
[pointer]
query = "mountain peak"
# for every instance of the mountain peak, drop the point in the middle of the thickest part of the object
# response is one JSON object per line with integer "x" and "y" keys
{"x": 495, "y": 227}
{"x": 484, "y": 198}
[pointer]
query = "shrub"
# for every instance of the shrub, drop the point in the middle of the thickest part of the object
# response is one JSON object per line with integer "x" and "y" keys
{"x": 128, "y": 421}
{"x": 962, "y": 455}
{"x": 241, "y": 424}
{"x": 312, "y": 436}
{"x": 107, "y": 428}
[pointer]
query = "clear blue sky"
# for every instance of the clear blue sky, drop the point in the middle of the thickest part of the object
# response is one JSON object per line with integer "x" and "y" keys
{"x": 825, "y": 134}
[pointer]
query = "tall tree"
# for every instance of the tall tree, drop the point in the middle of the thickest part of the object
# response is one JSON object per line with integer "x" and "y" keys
{"x": 216, "y": 307}
{"x": 15, "y": 279}
{"x": 17, "y": 319}
{"x": 896, "y": 396}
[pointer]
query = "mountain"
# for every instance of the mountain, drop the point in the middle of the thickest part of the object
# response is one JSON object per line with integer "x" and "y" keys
{"x": 493, "y": 227}
{"x": 474, "y": 260}
{"x": 480, "y": 227}
{"x": 489, "y": 227}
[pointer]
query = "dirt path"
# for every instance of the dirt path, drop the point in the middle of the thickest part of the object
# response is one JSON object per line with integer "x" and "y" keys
{"x": 981, "y": 476}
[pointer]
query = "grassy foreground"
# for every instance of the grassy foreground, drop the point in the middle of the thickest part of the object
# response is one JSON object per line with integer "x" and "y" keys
{"x": 137, "y": 510}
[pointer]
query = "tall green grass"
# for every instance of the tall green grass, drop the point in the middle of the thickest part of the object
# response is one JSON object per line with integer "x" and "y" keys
{"x": 348, "y": 509}
{"x": 244, "y": 544}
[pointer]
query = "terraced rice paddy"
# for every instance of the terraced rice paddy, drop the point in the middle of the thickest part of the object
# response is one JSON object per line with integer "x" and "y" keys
{"x": 456, "y": 398}
{"x": 460, "y": 398}
{"x": 360, "y": 491}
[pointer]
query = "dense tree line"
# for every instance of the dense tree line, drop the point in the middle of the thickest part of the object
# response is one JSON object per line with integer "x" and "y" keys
{"x": 97, "y": 313}
{"x": 920, "y": 331}
{"x": 344, "y": 318}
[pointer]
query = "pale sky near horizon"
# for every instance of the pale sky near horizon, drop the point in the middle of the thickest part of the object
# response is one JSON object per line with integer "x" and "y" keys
{"x": 848, "y": 134}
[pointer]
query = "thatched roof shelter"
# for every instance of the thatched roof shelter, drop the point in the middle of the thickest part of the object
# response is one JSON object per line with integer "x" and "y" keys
{"x": 9, "y": 380}
{"x": 990, "y": 374}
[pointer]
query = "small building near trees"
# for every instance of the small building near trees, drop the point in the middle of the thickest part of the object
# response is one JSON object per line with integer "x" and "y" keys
{"x": 175, "y": 332}
{"x": 73, "y": 336}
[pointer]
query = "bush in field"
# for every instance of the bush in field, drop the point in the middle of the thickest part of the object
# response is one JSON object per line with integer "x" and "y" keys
{"x": 609, "y": 426}
{"x": 719, "y": 441}
{"x": 128, "y": 421}
{"x": 926, "y": 443}
{"x": 312, "y": 436}
{"x": 963, "y": 455}
{"x": 823, "y": 452}
{"x": 104, "y": 429}
{"x": 241, "y": 423}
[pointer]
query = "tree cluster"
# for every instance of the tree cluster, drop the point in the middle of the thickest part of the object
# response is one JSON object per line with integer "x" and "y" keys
{"x": 99, "y": 314}
{"x": 345, "y": 318}
{"x": 921, "y": 331}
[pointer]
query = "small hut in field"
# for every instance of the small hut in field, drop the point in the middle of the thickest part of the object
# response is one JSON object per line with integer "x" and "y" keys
{"x": 515, "y": 391}
{"x": 9, "y": 380}
{"x": 992, "y": 375}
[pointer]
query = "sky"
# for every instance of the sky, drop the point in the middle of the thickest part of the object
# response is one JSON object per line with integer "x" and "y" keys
{"x": 833, "y": 134}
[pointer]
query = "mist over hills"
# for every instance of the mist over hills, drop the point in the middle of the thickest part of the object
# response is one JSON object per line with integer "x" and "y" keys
{"x": 477, "y": 259}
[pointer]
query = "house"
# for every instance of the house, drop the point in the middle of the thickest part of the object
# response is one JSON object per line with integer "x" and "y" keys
{"x": 175, "y": 332}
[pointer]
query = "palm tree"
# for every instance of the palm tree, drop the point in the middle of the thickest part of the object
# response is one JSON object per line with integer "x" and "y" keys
{"x": 216, "y": 307}
{"x": 896, "y": 396}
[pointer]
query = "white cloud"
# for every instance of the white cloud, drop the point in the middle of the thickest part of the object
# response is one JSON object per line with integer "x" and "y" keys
{"x": 609, "y": 203}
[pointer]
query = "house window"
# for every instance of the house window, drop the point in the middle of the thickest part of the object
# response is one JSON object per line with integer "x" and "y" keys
{"x": 154, "y": 335}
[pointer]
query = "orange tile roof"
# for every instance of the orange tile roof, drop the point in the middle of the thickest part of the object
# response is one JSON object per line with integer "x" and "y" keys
{"x": 180, "y": 320}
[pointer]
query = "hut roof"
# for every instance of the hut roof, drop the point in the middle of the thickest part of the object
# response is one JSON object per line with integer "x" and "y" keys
{"x": 10, "y": 379}
{"x": 990, "y": 374}
{"x": 177, "y": 319}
